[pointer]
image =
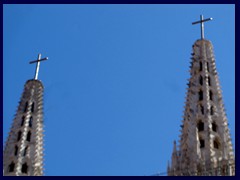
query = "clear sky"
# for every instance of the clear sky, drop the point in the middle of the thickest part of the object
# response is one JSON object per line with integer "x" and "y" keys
{"x": 115, "y": 81}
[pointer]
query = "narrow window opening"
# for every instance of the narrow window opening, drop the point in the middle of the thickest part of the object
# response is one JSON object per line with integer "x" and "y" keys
{"x": 16, "y": 150}
{"x": 23, "y": 119}
{"x": 24, "y": 168}
{"x": 202, "y": 109}
{"x": 201, "y": 80}
{"x": 11, "y": 167}
{"x": 32, "y": 108}
{"x": 29, "y": 136}
{"x": 210, "y": 95}
{"x": 200, "y": 126}
{"x": 200, "y": 66}
{"x": 25, "y": 151}
{"x": 19, "y": 135}
{"x": 202, "y": 143}
{"x": 216, "y": 144}
{"x": 30, "y": 121}
{"x": 207, "y": 67}
{"x": 200, "y": 93}
{"x": 209, "y": 81}
{"x": 214, "y": 127}
{"x": 211, "y": 110}
{"x": 26, "y": 107}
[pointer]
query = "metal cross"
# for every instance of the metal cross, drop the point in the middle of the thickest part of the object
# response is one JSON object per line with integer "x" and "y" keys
{"x": 202, "y": 25}
{"x": 38, "y": 64}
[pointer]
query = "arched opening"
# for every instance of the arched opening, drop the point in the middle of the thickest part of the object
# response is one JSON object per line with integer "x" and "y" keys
{"x": 25, "y": 151}
{"x": 216, "y": 144}
{"x": 210, "y": 95}
{"x": 24, "y": 168}
{"x": 207, "y": 66}
{"x": 19, "y": 135}
{"x": 211, "y": 110}
{"x": 202, "y": 109}
{"x": 16, "y": 150}
{"x": 30, "y": 121}
{"x": 200, "y": 94}
{"x": 11, "y": 167}
{"x": 29, "y": 136}
{"x": 209, "y": 81}
{"x": 23, "y": 119}
{"x": 214, "y": 127}
{"x": 200, "y": 80}
{"x": 200, "y": 66}
{"x": 200, "y": 126}
{"x": 202, "y": 143}
{"x": 26, "y": 107}
{"x": 32, "y": 108}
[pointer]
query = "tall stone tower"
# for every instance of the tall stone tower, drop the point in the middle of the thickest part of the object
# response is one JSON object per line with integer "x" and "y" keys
{"x": 23, "y": 152}
{"x": 205, "y": 146}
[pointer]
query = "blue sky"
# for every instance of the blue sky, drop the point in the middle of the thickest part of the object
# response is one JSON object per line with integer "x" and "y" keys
{"x": 115, "y": 81}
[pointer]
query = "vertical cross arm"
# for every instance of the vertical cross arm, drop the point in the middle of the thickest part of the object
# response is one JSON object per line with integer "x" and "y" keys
{"x": 38, "y": 64}
{"x": 201, "y": 22}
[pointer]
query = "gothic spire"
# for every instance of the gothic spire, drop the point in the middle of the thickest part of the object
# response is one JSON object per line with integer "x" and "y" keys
{"x": 205, "y": 137}
{"x": 23, "y": 151}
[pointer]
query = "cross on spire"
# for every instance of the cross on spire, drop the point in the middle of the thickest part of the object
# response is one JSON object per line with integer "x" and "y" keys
{"x": 202, "y": 25}
{"x": 38, "y": 64}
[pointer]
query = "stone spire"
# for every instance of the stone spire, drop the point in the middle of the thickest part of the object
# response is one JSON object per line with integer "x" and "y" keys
{"x": 205, "y": 146}
{"x": 23, "y": 152}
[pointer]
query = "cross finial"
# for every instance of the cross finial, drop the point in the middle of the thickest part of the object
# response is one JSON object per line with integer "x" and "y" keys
{"x": 202, "y": 25}
{"x": 38, "y": 64}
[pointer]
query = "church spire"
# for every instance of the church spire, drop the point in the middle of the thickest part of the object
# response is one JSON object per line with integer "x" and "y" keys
{"x": 205, "y": 145}
{"x": 23, "y": 152}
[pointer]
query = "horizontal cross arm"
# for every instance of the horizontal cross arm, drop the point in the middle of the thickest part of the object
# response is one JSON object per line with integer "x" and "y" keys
{"x": 208, "y": 19}
{"x": 43, "y": 59}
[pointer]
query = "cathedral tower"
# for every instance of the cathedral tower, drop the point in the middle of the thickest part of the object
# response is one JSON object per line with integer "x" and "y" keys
{"x": 23, "y": 152}
{"x": 205, "y": 146}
